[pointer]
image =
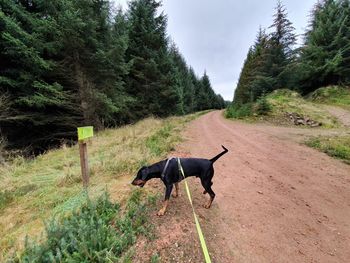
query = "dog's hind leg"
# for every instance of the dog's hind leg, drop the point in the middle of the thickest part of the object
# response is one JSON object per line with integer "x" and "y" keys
{"x": 212, "y": 196}
{"x": 205, "y": 191}
{"x": 207, "y": 183}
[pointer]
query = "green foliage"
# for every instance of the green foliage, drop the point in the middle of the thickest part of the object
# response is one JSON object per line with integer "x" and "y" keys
{"x": 335, "y": 146}
{"x": 159, "y": 143}
{"x": 97, "y": 232}
{"x": 275, "y": 106}
{"x": 155, "y": 258}
{"x": 70, "y": 63}
{"x": 283, "y": 101}
{"x": 239, "y": 111}
{"x": 274, "y": 63}
{"x": 262, "y": 106}
{"x": 334, "y": 95}
{"x": 325, "y": 57}
{"x": 268, "y": 60}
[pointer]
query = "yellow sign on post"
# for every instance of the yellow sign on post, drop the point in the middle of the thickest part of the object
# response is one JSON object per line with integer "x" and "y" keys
{"x": 85, "y": 132}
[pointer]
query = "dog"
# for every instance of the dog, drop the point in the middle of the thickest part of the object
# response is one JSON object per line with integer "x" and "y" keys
{"x": 168, "y": 171}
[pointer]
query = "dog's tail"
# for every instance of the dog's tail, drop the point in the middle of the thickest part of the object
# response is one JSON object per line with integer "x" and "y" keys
{"x": 219, "y": 155}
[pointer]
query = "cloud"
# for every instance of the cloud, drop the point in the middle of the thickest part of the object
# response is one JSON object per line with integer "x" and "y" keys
{"x": 215, "y": 35}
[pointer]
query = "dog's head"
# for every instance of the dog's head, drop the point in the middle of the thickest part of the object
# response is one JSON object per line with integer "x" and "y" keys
{"x": 141, "y": 177}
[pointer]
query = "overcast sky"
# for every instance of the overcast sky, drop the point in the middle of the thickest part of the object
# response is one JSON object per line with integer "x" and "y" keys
{"x": 215, "y": 35}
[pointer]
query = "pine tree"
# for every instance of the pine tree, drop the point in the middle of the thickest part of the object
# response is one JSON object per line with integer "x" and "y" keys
{"x": 254, "y": 78}
{"x": 41, "y": 110}
{"x": 325, "y": 57}
{"x": 281, "y": 47}
{"x": 66, "y": 63}
{"x": 149, "y": 80}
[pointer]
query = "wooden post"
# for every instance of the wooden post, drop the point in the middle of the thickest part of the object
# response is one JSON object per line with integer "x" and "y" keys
{"x": 83, "y": 134}
{"x": 84, "y": 162}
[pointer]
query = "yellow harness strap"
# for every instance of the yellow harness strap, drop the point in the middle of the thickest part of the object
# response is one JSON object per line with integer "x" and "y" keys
{"x": 199, "y": 230}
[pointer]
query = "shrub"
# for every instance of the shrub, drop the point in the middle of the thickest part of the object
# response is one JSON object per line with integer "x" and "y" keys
{"x": 97, "y": 232}
{"x": 239, "y": 111}
{"x": 262, "y": 106}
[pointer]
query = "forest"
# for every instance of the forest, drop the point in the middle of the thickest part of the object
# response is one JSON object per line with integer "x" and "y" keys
{"x": 274, "y": 61}
{"x": 70, "y": 63}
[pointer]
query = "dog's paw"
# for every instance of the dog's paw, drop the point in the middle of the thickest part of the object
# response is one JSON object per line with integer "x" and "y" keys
{"x": 207, "y": 206}
{"x": 175, "y": 195}
{"x": 161, "y": 212}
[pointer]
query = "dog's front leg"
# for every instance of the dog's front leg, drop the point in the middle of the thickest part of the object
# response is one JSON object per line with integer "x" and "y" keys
{"x": 168, "y": 190}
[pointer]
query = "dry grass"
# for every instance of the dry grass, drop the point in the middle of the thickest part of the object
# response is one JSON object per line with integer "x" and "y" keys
{"x": 51, "y": 184}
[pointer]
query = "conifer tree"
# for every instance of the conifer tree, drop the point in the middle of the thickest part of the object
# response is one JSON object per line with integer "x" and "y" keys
{"x": 41, "y": 110}
{"x": 69, "y": 63}
{"x": 149, "y": 80}
{"x": 281, "y": 43}
{"x": 325, "y": 57}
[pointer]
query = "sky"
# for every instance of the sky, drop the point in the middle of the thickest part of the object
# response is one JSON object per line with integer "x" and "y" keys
{"x": 215, "y": 35}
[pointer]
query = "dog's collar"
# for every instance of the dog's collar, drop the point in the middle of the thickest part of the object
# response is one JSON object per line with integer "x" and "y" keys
{"x": 165, "y": 167}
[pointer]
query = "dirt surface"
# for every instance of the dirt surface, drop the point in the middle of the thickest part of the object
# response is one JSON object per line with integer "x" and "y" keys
{"x": 276, "y": 200}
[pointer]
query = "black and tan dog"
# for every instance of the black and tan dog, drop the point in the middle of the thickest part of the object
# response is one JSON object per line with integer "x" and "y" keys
{"x": 168, "y": 171}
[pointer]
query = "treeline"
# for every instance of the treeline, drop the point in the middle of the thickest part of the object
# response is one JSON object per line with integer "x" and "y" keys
{"x": 68, "y": 63}
{"x": 273, "y": 62}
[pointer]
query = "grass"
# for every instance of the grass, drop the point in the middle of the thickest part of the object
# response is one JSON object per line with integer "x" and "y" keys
{"x": 274, "y": 106}
{"x": 35, "y": 190}
{"x": 283, "y": 101}
{"x": 155, "y": 258}
{"x": 97, "y": 232}
{"x": 332, "y": 95}
{"x": 335, "y": 146}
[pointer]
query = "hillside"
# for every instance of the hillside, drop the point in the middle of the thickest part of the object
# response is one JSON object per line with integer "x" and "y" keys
{"x": 328, "y": 108}
{"x": 50, "y": 185}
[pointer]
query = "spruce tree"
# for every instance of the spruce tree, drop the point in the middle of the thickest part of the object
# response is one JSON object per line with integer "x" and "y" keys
{"x": 149, "y": 80}
{"x": 281, "y": 47}
{"x": 41, "y": 111}
{"x": 325, "y": 57}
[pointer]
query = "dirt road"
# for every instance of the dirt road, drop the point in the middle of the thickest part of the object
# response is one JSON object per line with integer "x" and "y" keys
{"x": 276, "y": 200}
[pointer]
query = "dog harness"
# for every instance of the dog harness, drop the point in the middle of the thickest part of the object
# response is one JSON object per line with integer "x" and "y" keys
{"x": 165, "y": 167}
